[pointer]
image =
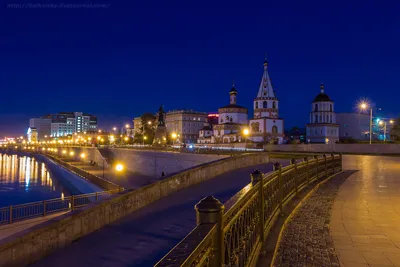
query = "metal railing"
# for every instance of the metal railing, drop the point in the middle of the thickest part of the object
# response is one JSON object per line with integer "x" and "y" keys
{"x": 26, "y": 211}
{"x": 233, "y": 234}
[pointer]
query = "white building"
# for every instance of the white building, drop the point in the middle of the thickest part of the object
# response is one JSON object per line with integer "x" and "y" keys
{"x": 322, "y": 127}
{"x": 32, "y": 135}
{"x": 205, "y": 134}
{"x": 266, "y": 126}
{"x": 232, "y": 121}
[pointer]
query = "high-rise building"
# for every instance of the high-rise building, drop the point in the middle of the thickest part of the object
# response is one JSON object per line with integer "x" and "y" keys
{"x": 63, "y": 124}
{"x": 185, "y": 124}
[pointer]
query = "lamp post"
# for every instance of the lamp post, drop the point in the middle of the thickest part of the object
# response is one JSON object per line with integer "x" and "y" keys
{"x": 174, "y": 136}
{"x": 381, "y": 122}
{"x": 144, "y": 138}
{"x": 364, "y": 106}
{"x": 246, "y": 133}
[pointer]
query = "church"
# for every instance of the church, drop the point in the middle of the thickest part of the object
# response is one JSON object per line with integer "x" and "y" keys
{"x": 322, "y": 127}
{"x": 266, "y": 126}
{"x": 232, "y": 121}
{"x": 233, "y": 125}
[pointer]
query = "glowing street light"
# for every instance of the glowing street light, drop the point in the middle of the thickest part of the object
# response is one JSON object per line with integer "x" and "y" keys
{"x": 127, "y": 126}
{"x": 119, "y": 167}
{"x": 174, "y": 135}
{"x": 149, "y": 122}
{"x": 246, "y": 131}
{"x": 114, "y": 128}
{"x": 83, "y": 155}
{"x": 64, "y": 152}
{"x": 364, "y": 106}
{"x": 72, "y": 153}
{"x": 126, "y": 138}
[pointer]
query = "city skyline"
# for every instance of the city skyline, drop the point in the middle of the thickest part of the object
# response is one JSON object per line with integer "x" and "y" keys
{"x": 118, "y": 67}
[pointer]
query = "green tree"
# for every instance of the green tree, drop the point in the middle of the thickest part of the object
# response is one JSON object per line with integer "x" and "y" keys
{"x": 148, "y": 127}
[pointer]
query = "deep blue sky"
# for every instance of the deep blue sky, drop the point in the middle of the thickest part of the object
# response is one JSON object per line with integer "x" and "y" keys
{"x": 120, "y": 61}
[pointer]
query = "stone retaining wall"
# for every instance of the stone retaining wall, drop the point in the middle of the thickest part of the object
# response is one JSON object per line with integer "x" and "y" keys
{"x": 29, "y": 246}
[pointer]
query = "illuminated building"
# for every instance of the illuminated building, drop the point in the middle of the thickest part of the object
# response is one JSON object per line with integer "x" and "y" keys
{"x": 322, "y": 127}
{"x": 186, "y": 124}
{"x": 266, "y": 126}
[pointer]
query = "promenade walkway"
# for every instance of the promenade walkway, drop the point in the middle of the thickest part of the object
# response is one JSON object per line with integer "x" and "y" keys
{"x": 349, "y": 221}
{"x": 127, "y": 179}
{"x": 365, "y": 221}
{"x": 145, "y": 236}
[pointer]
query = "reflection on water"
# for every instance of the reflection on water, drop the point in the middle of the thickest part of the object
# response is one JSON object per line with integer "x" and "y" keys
{"x": 23, "y": 179}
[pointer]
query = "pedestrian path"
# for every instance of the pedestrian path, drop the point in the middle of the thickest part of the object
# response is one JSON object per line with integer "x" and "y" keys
{"x": 126, "y": 179}
{"x": 145, "y": 236}
{"x": 365, "y": 223}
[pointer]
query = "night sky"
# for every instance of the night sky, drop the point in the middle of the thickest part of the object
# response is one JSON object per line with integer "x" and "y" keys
{"x": 121, "y": 61}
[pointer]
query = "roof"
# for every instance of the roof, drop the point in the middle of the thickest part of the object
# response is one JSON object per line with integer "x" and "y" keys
{"x": 233, "y": 106}
{"x": 265, "y": 89}
{"x": 322, "y": 97}
{"x": 233, "y": 90}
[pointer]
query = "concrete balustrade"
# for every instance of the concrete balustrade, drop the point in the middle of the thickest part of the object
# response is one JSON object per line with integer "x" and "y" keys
{"x": 381, "y": 149}
{"x": 29, "y": 246}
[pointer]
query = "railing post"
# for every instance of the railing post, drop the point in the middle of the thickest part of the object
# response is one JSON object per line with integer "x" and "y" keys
{"x": 307, "y": 170}
{"x": 257, "y": 177}
{"x": 316, "y": 162}
{"x": 72, "y": 202}
{"x": 326, "y": 168}
{"x": 333, "y": 163}
{"x": 293, "y": 161}
{"x": 44, "y": 207}
{"x": 280, "y": 184}
{"x": 10, "y": 220}
{"x": 210, "y": 211}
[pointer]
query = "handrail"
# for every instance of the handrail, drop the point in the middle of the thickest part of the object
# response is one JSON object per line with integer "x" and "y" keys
{"x": 20, "y": 212}
{"x": 235, "y": 237}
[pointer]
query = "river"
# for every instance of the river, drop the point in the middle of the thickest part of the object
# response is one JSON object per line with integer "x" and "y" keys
{"x": 24, "y": 179}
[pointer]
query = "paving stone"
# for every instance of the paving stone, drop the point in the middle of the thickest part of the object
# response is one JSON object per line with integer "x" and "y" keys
{"x": 306, "y": 240}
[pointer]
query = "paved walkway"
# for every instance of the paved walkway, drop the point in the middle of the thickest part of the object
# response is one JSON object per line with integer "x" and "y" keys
{"x": 365, "y": 223}
{"x": 306, "y": 239}
{"x": 145, "y": 236}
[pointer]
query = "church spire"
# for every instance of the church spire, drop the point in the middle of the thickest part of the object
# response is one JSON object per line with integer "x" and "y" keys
{"x": 322, "y": 88}
{"x": 265, "y": 89}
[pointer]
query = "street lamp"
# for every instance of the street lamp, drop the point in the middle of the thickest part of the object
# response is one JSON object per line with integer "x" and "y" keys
{"x": 119, "y": 167}
{"x": 381, "y": 122}
{"x": 246, "y": 133}
{"x": 144, "y": 138}
{"x": 114, "y": 128}
{"x": 364, "y": 106}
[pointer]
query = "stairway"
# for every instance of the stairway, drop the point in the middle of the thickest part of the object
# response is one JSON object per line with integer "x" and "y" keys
{"x": 108, "y": 155}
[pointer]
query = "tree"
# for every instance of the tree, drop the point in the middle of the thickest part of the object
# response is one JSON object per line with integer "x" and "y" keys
{"x": 148, "y": 126}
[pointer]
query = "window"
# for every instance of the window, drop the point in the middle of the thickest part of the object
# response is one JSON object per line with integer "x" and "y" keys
{"x": 331, "y": 107}
{"x": 316, "y": 107}
{"x": 274, "y": 129}
{"x": 316, "y": 118}
{"x": 256, "y": 104}
{"x": 273, "y": 104}
{"x": 227, "y": 118}
{"x": 327, "y": 118}
{"x": 331, "y": 118}
{"x": 265, "y": 104}
{"x": 230, "y": 119}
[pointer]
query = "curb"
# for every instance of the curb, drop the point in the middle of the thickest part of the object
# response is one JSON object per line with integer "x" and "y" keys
{"x": 306, "y": 197}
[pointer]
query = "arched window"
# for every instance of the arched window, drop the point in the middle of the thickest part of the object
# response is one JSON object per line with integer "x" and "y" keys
{"x": 256, "y": 104}
{"x": 273, "y": 104}
{"x": 227, "y": 118}
{"x": 316, "y": 107}
{"x": 230, "y": 119}
{"x": 316, "y": 118}
{"x": 331, "y": 107}
{"x": 265, "y": 104}
{"x": 274, "y": 129}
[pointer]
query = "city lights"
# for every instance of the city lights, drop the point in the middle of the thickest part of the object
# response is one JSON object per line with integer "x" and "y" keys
{"x": 119, "y": 167}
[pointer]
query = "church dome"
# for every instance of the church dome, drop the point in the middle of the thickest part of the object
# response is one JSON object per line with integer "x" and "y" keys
{"x": 322, "y": 97}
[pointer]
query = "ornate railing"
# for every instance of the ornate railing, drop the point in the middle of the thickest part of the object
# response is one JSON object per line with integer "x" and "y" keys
{"x": 233, "y": 234}
{"x": 16, "y": 213}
